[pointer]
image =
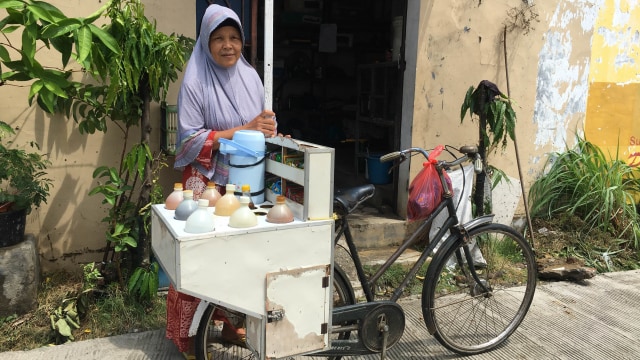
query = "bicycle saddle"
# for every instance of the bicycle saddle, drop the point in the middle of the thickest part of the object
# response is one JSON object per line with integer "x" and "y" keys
{"x": 351, "y": 198}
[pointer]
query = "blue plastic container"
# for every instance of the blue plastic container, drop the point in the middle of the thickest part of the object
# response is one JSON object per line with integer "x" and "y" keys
{"x": 246, "y": 164}
{"x": 378, "y": 172}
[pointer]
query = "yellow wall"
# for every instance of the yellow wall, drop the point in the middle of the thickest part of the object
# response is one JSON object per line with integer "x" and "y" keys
{"x": 574, "y": 72}
{"x": 613, "y": 107}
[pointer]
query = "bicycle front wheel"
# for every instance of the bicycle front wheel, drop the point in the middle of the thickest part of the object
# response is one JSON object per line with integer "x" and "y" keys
{"x": 470, "y": 311}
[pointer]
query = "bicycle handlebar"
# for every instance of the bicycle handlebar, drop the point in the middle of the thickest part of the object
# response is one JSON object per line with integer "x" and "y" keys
{"x": 470, "y": 154}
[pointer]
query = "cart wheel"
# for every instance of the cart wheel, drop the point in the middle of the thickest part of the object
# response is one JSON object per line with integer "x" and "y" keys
{"x": 217, "y": 337}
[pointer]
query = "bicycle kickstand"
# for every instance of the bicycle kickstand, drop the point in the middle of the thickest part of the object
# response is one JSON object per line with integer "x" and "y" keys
{"x": 384, "y": 328}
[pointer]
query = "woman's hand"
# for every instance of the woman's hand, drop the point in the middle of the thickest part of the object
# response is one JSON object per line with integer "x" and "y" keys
{"x": 265, "y": 122}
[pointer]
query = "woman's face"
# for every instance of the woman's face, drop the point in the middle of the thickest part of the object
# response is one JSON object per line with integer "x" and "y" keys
{"x": 225, "y": 45}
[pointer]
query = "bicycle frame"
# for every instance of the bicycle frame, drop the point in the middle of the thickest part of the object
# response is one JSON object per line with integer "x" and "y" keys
{"x": 423, "y": 230}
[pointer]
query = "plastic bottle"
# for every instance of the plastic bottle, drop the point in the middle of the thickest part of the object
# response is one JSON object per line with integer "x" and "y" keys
{"x": 175, "y": 198}
{"x": 243, "y": 217}
{"x": 280, "y": 212}
{"x": 187, "y": 206}
{"x": 228, "y": 203}
{"x": 211, "y": 194}
{"x": 201, "y": 220}
{"x": 246, "y": 191}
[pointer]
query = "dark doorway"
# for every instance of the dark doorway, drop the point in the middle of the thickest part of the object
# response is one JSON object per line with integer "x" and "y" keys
{"x": 338, "y": 81}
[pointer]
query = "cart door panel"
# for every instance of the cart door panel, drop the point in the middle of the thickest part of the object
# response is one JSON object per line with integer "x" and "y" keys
{"x": 297, "y": 311}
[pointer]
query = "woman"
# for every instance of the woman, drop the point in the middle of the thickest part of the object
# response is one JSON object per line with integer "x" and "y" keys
{"x": 220, "y": 94}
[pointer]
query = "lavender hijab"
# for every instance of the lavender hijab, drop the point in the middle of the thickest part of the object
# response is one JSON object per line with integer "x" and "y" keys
{"x": 212, "y": 97}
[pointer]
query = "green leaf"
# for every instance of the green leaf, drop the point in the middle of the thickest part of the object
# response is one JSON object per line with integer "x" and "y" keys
{"x": 46, "y": 101}
{"x": 153, "y": 285}
{"x": 5, "y": 4}
{"x": 29, "y": 35}
{"x": 467, "y": 104}
{"x": 119, "y": 229}
{"x": 4, "y": 54}
{"x": 64, "y": 45}
{"x": 144, "y": 287}
{"x": 142, "y": 160}
{"x": 100, "y": 171}
{"x": 63, "y": 27}
{"x": 54, "y": 88}
{"x": 63, "y": 328}
{"x": 41, "y": 13}
{"x": 106, "y": 38}
{"x": 10, "y": 29}
{"x": 35, "y": 88}
{"x": 133, "y": 280}
{"x": 91, "y": 18}
{"x": 84, "y": 43}
{"x": 52, "y": 10}
{"x": 130, "y": 241}
{"x": 113, "y": 175}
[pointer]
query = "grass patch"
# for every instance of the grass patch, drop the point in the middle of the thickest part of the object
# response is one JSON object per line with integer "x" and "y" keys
{"x": 111, "y": 312}
{"x": 392, "y": 278}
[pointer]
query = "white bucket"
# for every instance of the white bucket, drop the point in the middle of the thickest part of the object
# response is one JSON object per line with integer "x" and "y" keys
{"x": 246, "y": 163}
{"x": 396, "y": 30}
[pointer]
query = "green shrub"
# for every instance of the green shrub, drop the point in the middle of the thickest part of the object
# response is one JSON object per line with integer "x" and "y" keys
{"x": 586, "y": 183}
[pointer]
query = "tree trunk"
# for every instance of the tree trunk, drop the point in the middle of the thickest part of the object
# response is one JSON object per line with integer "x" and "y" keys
{"x": 478, "y": 195}
{"x": 143, "y": 250}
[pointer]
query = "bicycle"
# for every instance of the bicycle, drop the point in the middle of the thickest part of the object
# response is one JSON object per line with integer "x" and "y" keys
{"x": 470, "y": 307}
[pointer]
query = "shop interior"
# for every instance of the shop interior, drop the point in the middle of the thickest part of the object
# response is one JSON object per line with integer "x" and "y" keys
{"x": 336, "y": 80}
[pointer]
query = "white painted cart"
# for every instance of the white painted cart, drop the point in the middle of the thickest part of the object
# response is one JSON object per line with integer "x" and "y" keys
{"x": 279, "y": 275}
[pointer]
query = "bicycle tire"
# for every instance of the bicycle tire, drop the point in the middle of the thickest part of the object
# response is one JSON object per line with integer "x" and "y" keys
{"x": 210, "y": 344}
{"x": 343, "y": 294}
{"x": 467, "y": 317}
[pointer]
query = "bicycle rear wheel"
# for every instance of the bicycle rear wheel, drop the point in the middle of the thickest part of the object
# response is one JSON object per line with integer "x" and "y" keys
{"x": 343, "y": 295}
{"x": 213, "y": 342}
{"x": 469, "y": 315}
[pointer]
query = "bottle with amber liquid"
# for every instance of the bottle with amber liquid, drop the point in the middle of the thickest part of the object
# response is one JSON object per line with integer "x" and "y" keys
{"x": 246, "y": 191}
{"x": 228, "y": 203}
{"x": 175, "y": 198}
{"x": 211, "y": 194}
{"x": 280, "y": 212}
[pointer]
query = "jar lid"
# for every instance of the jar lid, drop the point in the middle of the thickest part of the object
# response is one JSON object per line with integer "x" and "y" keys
{"x": 230, "y": 188}
{"x": 246, "y": 188}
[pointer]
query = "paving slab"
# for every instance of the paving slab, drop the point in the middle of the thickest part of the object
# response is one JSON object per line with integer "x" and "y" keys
{"x": 597, "y": 319}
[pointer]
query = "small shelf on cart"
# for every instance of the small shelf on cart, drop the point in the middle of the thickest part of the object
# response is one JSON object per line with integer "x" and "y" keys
{"x": 305, "y": 173}
{"x": 286, "y": 171}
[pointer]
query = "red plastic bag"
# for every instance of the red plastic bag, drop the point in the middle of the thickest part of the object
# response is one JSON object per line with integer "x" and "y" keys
{"x": 425, "y": 191}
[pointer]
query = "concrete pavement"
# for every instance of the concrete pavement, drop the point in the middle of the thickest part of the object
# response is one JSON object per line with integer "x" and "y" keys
{"x": 595, "y": 320}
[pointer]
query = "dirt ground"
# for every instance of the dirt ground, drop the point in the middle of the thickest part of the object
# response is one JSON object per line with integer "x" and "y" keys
{"x": 567, "y": 245}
